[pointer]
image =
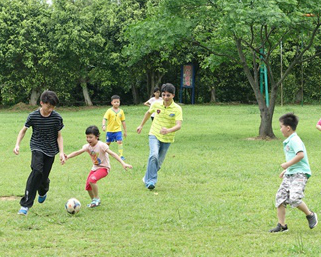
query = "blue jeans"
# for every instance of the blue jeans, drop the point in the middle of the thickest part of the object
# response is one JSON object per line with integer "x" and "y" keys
{"x": 157, "y": 153}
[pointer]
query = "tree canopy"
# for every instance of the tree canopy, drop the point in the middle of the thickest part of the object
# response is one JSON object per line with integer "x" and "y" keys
{"x": 90, "y": 49}
{"x": 247, "y": 32}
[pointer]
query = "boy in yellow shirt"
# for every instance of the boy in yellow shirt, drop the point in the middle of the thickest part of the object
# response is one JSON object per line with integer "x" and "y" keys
{"x": 115, "y": 117}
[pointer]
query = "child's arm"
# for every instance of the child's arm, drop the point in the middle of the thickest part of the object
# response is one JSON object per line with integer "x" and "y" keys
{"x": 147, "y": 103}
{"x": 299, "y": 156}
{"x": 76, "y": 153}
{"x": 104, "y": 124}
{"x": 19, "y": 138}
{"x": 125, "y": 129}
{"x": 146, "y": 117}
{"x": 125, "y": 165}
{"x": 178, "y": 126}
{"x": 61, "y": 148}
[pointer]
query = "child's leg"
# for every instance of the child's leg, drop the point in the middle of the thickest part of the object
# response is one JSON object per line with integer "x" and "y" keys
{"x": 93, "y": 177}
{"x": 88, "y": 186}
{"x": 153, "y": 161}
{"x": 281, "y": 199}
{"x": 34, "y": 180}
{"x": 94, "y": 191}
{"x": 44, "y": 186}
{"x": 120, "y": 148}
{"x": 91, "y": 195}
{"x": 281, "y": 214}
{"x": 304, "y": 208}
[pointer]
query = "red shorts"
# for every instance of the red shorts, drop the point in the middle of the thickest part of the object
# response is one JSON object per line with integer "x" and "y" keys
{"x": 94, "y": 176}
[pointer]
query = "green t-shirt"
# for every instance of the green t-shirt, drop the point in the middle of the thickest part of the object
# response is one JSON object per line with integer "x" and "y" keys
{"x": 293, "y": 145}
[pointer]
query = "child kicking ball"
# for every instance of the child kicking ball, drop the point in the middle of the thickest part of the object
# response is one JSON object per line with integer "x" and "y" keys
{"x": 99, "y": 153}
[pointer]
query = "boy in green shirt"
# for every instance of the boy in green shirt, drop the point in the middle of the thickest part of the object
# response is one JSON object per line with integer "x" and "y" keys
{"x": 296, "y": 171}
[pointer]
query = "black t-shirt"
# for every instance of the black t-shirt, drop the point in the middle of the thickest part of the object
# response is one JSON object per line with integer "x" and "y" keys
{"x": 44, "y": 132}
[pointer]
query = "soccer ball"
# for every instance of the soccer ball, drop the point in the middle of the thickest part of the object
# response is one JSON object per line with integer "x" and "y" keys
{"x": 72, "y": 206}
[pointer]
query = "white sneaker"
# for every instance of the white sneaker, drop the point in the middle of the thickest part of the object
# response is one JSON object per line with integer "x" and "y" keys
{"x": 23, "y": 211}
{"x": 143, "y": 179}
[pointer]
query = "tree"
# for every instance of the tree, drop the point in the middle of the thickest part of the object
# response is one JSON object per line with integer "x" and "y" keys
{"x": 248, "y": 32}
{"x": 147, "y": 48}
{"x": 25, "y": 66}
{"x": 76, "y": 43}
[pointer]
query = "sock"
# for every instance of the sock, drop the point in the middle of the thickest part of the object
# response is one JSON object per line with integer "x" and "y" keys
{"x": 120, "y": 149}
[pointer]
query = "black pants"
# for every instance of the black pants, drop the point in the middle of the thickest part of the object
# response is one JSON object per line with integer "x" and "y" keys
{"x": 38, "y": 179}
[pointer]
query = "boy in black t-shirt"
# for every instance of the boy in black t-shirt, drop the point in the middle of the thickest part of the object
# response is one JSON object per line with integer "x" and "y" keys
{"x": 46, "y": 141}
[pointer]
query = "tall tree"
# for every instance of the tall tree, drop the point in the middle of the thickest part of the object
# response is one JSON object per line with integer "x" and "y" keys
{"x": 76, "y": 42}
{"x": 25, "y": 68}
{"x": 246, "y": 31}
{"x": 150, "y": 48}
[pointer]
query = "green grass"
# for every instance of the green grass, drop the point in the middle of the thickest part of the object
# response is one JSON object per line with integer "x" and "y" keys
{"x": 214, "y": 197}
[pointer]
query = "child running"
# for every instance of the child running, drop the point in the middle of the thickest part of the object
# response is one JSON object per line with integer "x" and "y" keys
{"x": 99, "y": 153}
{"x": 115, "y": 117}
{"x": 295, "y": 174}
{"x": 156, "y": 97}
{"x": 46, "y": 141}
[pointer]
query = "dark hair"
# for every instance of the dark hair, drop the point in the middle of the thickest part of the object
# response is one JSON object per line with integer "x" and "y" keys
{"x": 168, "y": 87}
{"x": 115, "y": 97}
{"x": 93, "y": 130}
{"x": 156, "y": 89}
{"x": 289, "y": 119}
{"x": 49, "y": 97}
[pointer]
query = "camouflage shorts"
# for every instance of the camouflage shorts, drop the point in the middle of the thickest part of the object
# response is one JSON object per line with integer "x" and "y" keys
{"x": 291, "y": 190}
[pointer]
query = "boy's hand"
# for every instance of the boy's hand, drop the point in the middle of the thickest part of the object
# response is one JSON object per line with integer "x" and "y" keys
{"x": 16, "y": 149}
{"x": 125, "y": 166}
{"x": 62, "y": 158}
{"x": 104, "y": 127}
{"x": 285, "y": 165}
{"x": 164, "y": 131}
{"x": 125, "y": 133}
{"x": 282, "y": 174}
{"x": 139, "y": 129}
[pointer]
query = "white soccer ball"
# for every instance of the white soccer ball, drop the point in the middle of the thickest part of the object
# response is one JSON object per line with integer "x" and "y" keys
{"x": 72, "y": 206}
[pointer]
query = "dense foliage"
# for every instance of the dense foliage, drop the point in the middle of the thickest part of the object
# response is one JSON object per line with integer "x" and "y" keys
{"x": 87, "y": 50}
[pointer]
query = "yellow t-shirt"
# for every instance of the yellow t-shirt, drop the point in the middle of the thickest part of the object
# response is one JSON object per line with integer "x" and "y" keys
{"x": 114, "y": 119}
{"x": 165, "y": 117}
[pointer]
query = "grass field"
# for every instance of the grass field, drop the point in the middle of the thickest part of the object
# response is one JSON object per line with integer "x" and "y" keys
{"x": 214, "y": 197}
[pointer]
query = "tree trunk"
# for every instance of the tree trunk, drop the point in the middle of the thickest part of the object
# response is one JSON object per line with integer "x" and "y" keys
{"x": 266, "y": 113}
{"x": 152, "y": 83}
{"x": 135, "y": 94}
{"x": 213, "y": 98}
{"x": 34, "y": 97}
{"x": 86, "y": 94}
{"x": 154, "y": 79}
{"x": 266, "y": 130}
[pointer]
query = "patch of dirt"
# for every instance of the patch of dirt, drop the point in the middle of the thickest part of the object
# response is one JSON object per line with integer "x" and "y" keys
{"x": 261, "y": 138}
{"x": 9, "y": 198}
{"x": 23, "y": 107}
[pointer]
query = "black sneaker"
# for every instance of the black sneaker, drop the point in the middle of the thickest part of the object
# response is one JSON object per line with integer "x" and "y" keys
{"x": 312, "y": 219}
{"x": 279, "y": 228}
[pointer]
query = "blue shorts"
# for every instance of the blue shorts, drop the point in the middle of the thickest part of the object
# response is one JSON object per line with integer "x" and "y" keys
{"x": 114, "y": 136}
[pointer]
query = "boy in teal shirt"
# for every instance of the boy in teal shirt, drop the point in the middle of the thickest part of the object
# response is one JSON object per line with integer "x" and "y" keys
{"x": 296, "y": 171}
